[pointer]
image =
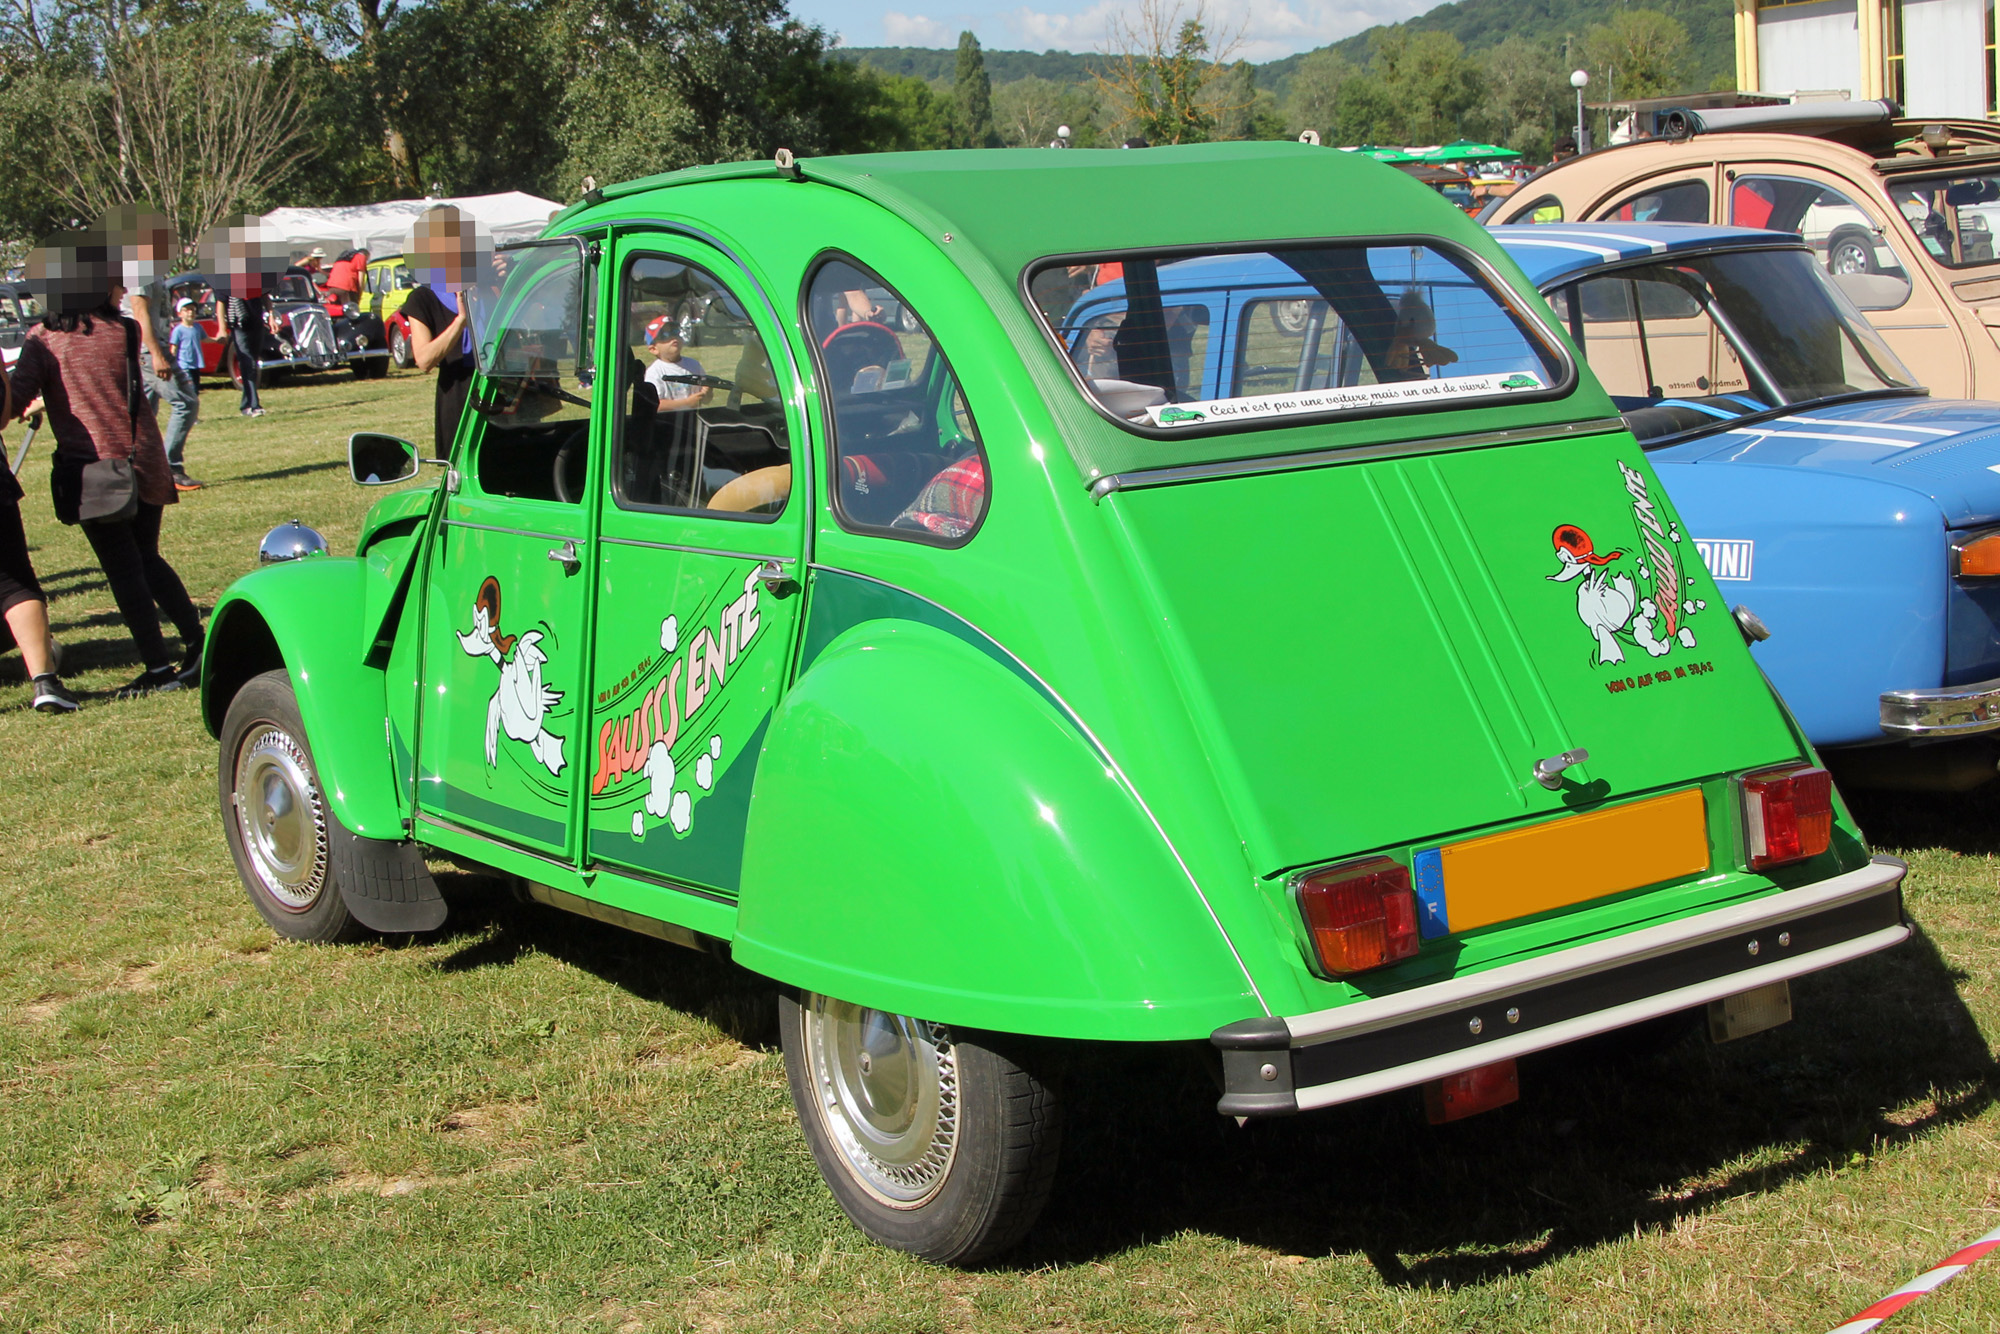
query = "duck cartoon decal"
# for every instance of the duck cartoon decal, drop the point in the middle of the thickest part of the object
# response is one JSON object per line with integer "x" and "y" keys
{"x": 522, "y": 701}
{"x": 1649, "y": 612}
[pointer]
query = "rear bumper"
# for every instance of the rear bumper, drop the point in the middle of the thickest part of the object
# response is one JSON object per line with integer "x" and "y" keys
{"x": 1275, "y": 1066}
{"x": 1943, "y": 711}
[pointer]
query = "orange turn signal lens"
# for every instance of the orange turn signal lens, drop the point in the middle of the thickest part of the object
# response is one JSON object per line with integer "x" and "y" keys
{"x": 1978, "y": 557}
{"x": 1360, "y": 915}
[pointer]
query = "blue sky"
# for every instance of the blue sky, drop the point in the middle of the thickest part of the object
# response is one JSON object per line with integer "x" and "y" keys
{"x": 1266, "y": 29}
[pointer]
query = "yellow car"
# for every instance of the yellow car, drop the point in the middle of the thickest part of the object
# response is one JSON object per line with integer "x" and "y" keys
{"x": 388, "y": 286}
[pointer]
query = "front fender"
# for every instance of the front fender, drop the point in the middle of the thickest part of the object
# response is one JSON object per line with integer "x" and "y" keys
{"x": 306, "y": 616}
{"x": 930, "y": 834}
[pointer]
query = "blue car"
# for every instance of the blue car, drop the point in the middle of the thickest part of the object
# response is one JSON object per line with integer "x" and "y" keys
{"x": 1833, "y": 498}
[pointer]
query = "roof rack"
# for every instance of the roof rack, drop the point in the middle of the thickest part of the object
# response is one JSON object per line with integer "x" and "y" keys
{"x": 1826, "y": 118}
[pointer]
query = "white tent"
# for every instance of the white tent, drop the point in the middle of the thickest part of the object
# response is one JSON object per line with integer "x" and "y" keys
{"x": 382, "y": 229}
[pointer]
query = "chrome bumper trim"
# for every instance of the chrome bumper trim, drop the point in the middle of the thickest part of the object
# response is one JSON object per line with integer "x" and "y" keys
{"x": 1943, "y": 711}
{"x": 1276, "y": 1066}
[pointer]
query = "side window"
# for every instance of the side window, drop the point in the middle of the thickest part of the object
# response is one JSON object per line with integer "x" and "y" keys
{"x": 1682, "y": 201}
{"x": 702, "y": 421}
{"x": 1648, "y": 340}
{"x": 531, "y": 339}
{"x": 1847, "y": 237}
{"x": 1546, "y": 209}
{"x": 907, "y": 457}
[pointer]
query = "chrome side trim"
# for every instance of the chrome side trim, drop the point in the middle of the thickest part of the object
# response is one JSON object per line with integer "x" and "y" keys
{"x": 1602, "y": 1021}
{"x": 671, "y": 932}
{"x": 1883, "y": 873}
{"x": 696, "y": 551}
{"x": 1319, "y": 458}
{"x": 512, "y": 532}
{"x": 1110, "y": 764}
{"x": 1942, "y": 710}
{"x": 426, "y": 818}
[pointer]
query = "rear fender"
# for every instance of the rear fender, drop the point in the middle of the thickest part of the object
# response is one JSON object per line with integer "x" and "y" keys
{"x": 305, "y": 616}
{"x": 931, "y": 834}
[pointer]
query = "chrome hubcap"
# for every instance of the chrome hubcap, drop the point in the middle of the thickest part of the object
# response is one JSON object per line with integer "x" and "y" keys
{"x": 886, "y": 1089}
{"x": 279, "y": 814}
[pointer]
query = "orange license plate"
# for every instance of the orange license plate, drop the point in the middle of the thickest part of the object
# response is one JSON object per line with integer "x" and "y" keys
{"x": 1575, "y": 859}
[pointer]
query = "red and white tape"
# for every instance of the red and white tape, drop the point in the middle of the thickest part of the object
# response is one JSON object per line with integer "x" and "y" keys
{"x": 1928, "y": 1281}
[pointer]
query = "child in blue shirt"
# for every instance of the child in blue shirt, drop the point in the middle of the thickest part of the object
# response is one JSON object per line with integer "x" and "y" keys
{"x": 186, "y": 342}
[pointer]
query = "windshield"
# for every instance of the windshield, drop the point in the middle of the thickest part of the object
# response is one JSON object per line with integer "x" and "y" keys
{"x": 296, "y": 287}
{"x": 1226, "y": 341}
{"x": 1690, "y": 344}
{"x": 1953, "y": 216}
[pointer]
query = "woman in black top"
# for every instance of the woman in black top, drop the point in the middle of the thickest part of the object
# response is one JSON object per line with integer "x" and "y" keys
{"x": 440, "y": 340}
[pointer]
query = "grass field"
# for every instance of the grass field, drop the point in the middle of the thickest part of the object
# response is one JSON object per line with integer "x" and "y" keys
{"x": 533, "y": 1122}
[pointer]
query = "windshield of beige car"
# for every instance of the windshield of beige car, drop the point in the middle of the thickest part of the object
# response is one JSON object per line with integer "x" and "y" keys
{"x": 1954, "y": 217}
{"x": 1227, "y": 341}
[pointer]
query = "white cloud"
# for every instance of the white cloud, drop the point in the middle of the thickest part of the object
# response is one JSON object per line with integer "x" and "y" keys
{"x": 1263, "y": 30}
{"x": 916, "y": 30}
{"x": 660, "y": 779}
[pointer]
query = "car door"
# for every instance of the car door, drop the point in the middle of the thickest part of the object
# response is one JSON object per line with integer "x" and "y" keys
{"x": 697, "y": 578}
{"x": 501, "y": 744}
{"x": 1869, "y": 260}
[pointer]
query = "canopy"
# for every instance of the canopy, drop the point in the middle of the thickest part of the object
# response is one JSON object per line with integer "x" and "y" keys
{"x": 1382, "y": 154}
{"x": 1464, "y": 150}
{"x": 382, "y": 229}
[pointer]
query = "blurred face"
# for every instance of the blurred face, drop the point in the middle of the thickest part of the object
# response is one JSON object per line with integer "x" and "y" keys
{"x": 667, "y": 348}
{"x": 187, "y": 314}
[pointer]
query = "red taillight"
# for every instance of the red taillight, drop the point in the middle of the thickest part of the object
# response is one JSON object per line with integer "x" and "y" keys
{"x": 1360, "y": 915}
{"x": 1471, "y": 1092}
{"x": 1787, "y": 814}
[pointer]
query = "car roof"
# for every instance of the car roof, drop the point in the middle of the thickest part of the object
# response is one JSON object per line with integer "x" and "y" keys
{"x": 1557, "y": 252}
{"x": 1024, "y": 204}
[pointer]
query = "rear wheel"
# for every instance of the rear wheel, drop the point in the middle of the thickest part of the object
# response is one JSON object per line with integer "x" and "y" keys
{"x": 275, "y": 815}
{"x": 931, "y": 1144}
{"x": 399, "y": 349}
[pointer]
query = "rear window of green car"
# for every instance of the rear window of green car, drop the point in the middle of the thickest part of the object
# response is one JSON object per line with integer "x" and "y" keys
{"x": 1218, "y": 343}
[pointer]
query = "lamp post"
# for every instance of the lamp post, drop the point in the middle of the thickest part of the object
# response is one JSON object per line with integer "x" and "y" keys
{"x": 1577, "y": 80}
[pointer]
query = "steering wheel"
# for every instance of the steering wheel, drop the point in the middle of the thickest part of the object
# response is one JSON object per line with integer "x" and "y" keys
{"x": 571, "y": 457}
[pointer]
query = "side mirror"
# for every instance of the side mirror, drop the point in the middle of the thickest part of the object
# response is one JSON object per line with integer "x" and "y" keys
{"x": 378, "y": 460}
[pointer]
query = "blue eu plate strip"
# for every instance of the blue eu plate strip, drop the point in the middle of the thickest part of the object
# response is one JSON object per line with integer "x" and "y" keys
{"x": 1431, "y": 919}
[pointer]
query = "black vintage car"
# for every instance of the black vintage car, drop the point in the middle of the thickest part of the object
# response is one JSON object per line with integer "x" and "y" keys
{"x": 313, "y": 332}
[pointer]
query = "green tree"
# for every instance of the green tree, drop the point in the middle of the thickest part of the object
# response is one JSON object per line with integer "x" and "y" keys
{"x": 1314, "y": 91}
{"x": 1027, "y": 113}
{"x": 1419, "y": 88}
{"x": 1643, "y": 50}
{"x": 972, "y": 96}
{"x": 1159, "y": 72}
{"x": 1528, "y": 97}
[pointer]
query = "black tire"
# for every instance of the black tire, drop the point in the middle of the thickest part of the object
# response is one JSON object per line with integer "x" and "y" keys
{"x": 399, "y": 349}
{"x": 275, "y": 816}
{"x": 1850, "y": 252}
{"x": 954, "y": 1190}
{"x": 1291, "y": 317}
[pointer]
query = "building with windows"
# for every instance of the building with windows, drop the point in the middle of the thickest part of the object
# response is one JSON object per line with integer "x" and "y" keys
{"x": 1934, "y": 57}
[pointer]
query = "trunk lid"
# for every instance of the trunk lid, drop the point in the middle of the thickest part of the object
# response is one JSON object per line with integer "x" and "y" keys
{"x": 1378, "y": 653}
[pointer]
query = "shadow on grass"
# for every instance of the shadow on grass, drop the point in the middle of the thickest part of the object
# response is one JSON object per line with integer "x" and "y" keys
{"x": 1610, "y": 1137}
{"x": 1964, "y": 822}
{"x": 299, "y": 470}
{"x": 1603, "y": 1142}
{"x": 494, "y": 929}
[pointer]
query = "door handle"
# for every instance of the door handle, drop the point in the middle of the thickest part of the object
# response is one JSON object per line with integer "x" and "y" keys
{"x": 565, "y": 555}
{"x": 771, "y": 574}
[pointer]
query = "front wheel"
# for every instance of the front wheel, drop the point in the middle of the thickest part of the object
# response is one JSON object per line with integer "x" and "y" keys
{"x": 931, "y": 1144}
{"x": 275, "y": 815}
{"x": 1850, "y": 252}
{"x": 399, "y": 349}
